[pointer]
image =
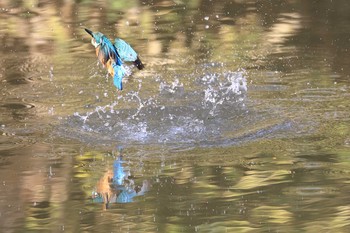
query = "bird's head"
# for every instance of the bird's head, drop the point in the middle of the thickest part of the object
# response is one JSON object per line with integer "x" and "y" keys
{"x": 96, "y": 37}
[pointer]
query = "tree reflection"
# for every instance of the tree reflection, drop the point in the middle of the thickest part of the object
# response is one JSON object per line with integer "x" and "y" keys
{"x": 200, "y": 23}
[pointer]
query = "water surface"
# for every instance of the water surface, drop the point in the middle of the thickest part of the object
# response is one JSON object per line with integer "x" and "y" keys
{"x": 239, "y": 123}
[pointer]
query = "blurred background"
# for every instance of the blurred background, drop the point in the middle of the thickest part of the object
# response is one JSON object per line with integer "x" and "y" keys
{"x": 239, "y": 123}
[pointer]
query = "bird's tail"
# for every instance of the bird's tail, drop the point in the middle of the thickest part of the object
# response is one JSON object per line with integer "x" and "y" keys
{"x": 138, "y": 63}
{"x": 119, "y": 73}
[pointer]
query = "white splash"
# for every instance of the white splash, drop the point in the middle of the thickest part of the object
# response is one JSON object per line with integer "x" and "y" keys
{"x": 223, "y": 88}
{"x": 172, "y": 87}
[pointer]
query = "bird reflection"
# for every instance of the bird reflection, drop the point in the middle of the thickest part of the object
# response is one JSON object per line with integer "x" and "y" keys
{"x": 117, "y": 185}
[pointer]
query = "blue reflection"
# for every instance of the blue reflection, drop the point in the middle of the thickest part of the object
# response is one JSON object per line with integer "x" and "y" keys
{"x": 117, "y": 186}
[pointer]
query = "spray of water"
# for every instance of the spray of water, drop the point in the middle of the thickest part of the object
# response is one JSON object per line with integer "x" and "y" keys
{"x": 174, "y": 115}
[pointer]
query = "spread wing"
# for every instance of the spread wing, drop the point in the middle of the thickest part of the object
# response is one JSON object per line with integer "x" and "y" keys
{"x": 127, "y": 53}
{"x": 108, "y": 51}
{"x": 124, "y": 50}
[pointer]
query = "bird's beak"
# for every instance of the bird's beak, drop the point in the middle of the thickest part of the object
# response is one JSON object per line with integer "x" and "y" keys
{"x": 90, "y": 32}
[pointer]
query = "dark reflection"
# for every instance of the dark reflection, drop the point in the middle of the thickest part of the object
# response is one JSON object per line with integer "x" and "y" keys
{"x": 17, "y": 110}
{"x": 118, "y": 185}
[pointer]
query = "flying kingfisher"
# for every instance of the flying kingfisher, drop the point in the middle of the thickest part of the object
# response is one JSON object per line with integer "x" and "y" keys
{"x": 112, "y": 56}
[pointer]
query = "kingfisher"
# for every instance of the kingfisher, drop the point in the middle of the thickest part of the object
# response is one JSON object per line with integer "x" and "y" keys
{"x": 112, "y": 56}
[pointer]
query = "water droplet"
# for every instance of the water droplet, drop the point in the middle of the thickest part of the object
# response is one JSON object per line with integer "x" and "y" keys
{"x": 51, "y": 73}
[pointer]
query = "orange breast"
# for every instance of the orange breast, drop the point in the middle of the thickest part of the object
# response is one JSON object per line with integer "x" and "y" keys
{"x": 107, "y": 64}
{"x": 100, "y": 56}
{"x": 110, "y": 67}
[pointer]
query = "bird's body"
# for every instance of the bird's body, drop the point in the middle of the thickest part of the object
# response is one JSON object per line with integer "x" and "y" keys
{"x": 112, "y": 56}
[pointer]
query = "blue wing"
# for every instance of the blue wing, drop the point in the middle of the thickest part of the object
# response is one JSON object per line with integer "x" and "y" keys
{"x": 119, "y": 73}
{"x": 109, "y": 51}
{"x": 125, "y": 51}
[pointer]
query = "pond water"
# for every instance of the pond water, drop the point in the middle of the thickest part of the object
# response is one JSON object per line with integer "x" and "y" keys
{"x": 240, "y": 121}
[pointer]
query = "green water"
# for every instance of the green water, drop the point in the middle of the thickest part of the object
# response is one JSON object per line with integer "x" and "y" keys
{"x": 238, "y": 123}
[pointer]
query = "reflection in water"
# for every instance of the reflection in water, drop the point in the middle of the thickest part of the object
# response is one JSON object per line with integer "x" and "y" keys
{"x": 117, "y": 186}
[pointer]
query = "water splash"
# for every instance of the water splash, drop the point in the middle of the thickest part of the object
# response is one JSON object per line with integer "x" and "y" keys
{"x": 177, "y": 114}
{"x": 221, "y": 88}
{"x": 170, "y": 88}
